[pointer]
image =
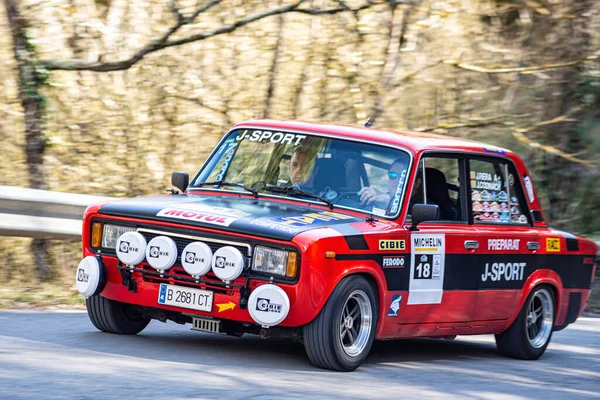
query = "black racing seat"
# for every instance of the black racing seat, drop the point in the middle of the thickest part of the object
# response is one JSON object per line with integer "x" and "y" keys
{"x": 437, "y": 192}
{"x": 329, "y": 172}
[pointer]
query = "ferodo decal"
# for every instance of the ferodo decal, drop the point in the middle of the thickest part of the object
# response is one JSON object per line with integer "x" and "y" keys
{"x": 272, "y": 137}
{"x": 426, "y": 269}
{"x": 392, "y": 245}
{"x": 503, "y": 244}
{"x": 504, "y": 271}
{"x": 552, "y": 245}
{"x": 393, "y": 262}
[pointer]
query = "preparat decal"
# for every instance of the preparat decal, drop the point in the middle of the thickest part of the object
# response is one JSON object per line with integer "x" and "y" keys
{"x": 188, "y": 215}
{"x": 503, "y": 244}
{"x": 503, "y": 271}
{"x": 392, "y": 262}
{"x": 273, "y": 137}
{"x": 392, "y": 245}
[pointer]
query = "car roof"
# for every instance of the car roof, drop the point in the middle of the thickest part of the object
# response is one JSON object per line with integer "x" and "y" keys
{"x": 411, "y": 140}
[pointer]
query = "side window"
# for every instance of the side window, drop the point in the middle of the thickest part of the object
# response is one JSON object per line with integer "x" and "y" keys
{"x": 438, "y": 182}
{"x": 496, "y": 194}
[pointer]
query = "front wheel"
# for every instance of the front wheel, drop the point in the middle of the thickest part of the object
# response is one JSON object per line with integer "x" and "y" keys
{"x": 528, "y": 337}
{"x": 342, "y": 335}
{"x": 115, "y": 317}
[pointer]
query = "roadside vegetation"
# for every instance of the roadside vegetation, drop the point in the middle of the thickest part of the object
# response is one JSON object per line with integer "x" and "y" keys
{"x": 108, "y": 97}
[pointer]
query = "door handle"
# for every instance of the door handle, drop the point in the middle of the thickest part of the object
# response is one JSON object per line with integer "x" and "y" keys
{"x": 533, "y": 246}
{"x": 471, "y": 244}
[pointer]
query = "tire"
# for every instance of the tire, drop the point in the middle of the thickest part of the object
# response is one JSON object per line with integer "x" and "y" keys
{"x": 331, "y": 345}
{"x": 527, "y": 339}
{"x": 114, "y": 317}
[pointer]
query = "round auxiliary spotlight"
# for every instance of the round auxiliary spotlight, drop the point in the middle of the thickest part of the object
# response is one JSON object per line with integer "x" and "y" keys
{"x": 90, "y": 277}
{"x": 196, "y": 259}
{"x": 227, "y": 263}
{"x": 131, "y": 248}
{"x": 161, "y": 253}
{"x": 268, "y": 305}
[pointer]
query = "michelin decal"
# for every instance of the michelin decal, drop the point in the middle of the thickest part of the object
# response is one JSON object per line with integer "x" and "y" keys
{"x": 427, "y": 268}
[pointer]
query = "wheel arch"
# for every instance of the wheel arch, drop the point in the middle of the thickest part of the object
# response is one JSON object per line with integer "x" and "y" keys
{"x": 540, "y": 277}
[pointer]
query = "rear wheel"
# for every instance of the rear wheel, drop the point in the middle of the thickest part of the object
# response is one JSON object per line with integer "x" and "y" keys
{"x": 530, "y": 334}
{"x": 342, "y": 335}
{"x": 115, "y": 317}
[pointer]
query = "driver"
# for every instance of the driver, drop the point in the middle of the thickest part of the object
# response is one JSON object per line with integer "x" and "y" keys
{"x": 371, "y": 196}
{"x": 300, "y": 169}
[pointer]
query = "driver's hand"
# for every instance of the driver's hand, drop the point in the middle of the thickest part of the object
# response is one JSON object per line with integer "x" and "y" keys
{"x": 370, "y": 195}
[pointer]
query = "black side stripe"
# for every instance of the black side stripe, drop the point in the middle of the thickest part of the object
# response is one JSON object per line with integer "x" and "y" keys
{"x": 464, "y": 272}
{"x": 572, "y": 244}
{"x": 354, "y": 238}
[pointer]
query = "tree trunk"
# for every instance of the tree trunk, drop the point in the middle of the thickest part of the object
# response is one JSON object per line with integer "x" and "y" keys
{"x": 32, "y": 102}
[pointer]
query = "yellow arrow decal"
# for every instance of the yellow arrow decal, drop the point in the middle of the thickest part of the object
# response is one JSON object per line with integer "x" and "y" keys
{"x": 226, "y": 306}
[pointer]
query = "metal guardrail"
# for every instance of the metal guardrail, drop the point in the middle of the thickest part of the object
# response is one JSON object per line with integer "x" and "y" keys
{"x": 43, "y": 214}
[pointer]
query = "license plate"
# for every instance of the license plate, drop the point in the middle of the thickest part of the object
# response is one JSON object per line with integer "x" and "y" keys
{"x": 178, "y": 296}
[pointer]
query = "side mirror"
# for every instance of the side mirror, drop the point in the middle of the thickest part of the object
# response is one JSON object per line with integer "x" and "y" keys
{"x": 424, "y": 212}
{"x": 180, "y": 180}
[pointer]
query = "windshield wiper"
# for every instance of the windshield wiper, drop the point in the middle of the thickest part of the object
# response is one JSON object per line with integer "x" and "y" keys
{"x": 225, "y": 183}
{"x": 295, "y": 191}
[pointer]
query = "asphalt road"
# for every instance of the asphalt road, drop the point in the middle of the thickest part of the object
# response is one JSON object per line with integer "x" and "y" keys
{"x": 47, "y": 355}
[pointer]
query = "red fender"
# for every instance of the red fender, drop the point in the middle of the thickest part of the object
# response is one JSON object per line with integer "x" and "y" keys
{"x": 539, "y": 277}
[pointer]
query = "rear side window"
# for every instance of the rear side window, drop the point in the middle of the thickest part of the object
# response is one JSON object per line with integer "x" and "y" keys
{"x": 496, "y": 193}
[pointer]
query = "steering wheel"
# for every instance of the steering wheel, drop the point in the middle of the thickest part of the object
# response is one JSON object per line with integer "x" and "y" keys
{"x": 343, "y": 197}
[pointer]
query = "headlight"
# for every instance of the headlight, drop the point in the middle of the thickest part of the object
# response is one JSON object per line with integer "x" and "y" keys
{"x": 111, "y": 233}
{"x": 275, "y": 261}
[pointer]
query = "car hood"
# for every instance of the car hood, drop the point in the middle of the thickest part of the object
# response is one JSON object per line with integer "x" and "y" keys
{"x": 261, "y": 217}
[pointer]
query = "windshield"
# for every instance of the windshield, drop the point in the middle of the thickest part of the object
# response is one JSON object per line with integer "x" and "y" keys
{"x": 349, "y": 174}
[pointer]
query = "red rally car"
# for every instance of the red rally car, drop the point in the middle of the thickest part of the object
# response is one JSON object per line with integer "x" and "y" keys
{"x": 336, "y": 236}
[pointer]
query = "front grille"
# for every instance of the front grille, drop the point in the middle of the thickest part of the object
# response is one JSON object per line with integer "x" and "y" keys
{"x": 181, "y": 242}
{"x": 177, "y": 273}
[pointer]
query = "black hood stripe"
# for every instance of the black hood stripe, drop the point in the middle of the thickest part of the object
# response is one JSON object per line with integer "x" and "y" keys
{"x": 354, "y": 238}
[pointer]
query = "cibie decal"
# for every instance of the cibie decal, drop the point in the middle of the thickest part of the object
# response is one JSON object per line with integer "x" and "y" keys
{"x": 272, "y": 137}
{"x": 503, "y": 271}
{"x": 393, "y": 262}
{"x": 552, "y": 245}
{"x": 395, "y": 305}
{"x": 503, "y": 244}
{"x": 426, "y": 268}
{"x": 392, "y": 245}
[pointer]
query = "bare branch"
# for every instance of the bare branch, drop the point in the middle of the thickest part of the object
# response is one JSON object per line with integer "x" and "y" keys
{"x": 523, "y": 70}
{"x": 163, "y": 41}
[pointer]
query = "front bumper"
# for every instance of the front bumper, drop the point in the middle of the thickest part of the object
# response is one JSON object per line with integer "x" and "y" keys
{"x": 143, "y": 289}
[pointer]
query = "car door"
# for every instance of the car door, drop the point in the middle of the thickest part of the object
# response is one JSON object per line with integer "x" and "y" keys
{"x": 508, "y": 243}
{"x": 441, "y": 287}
